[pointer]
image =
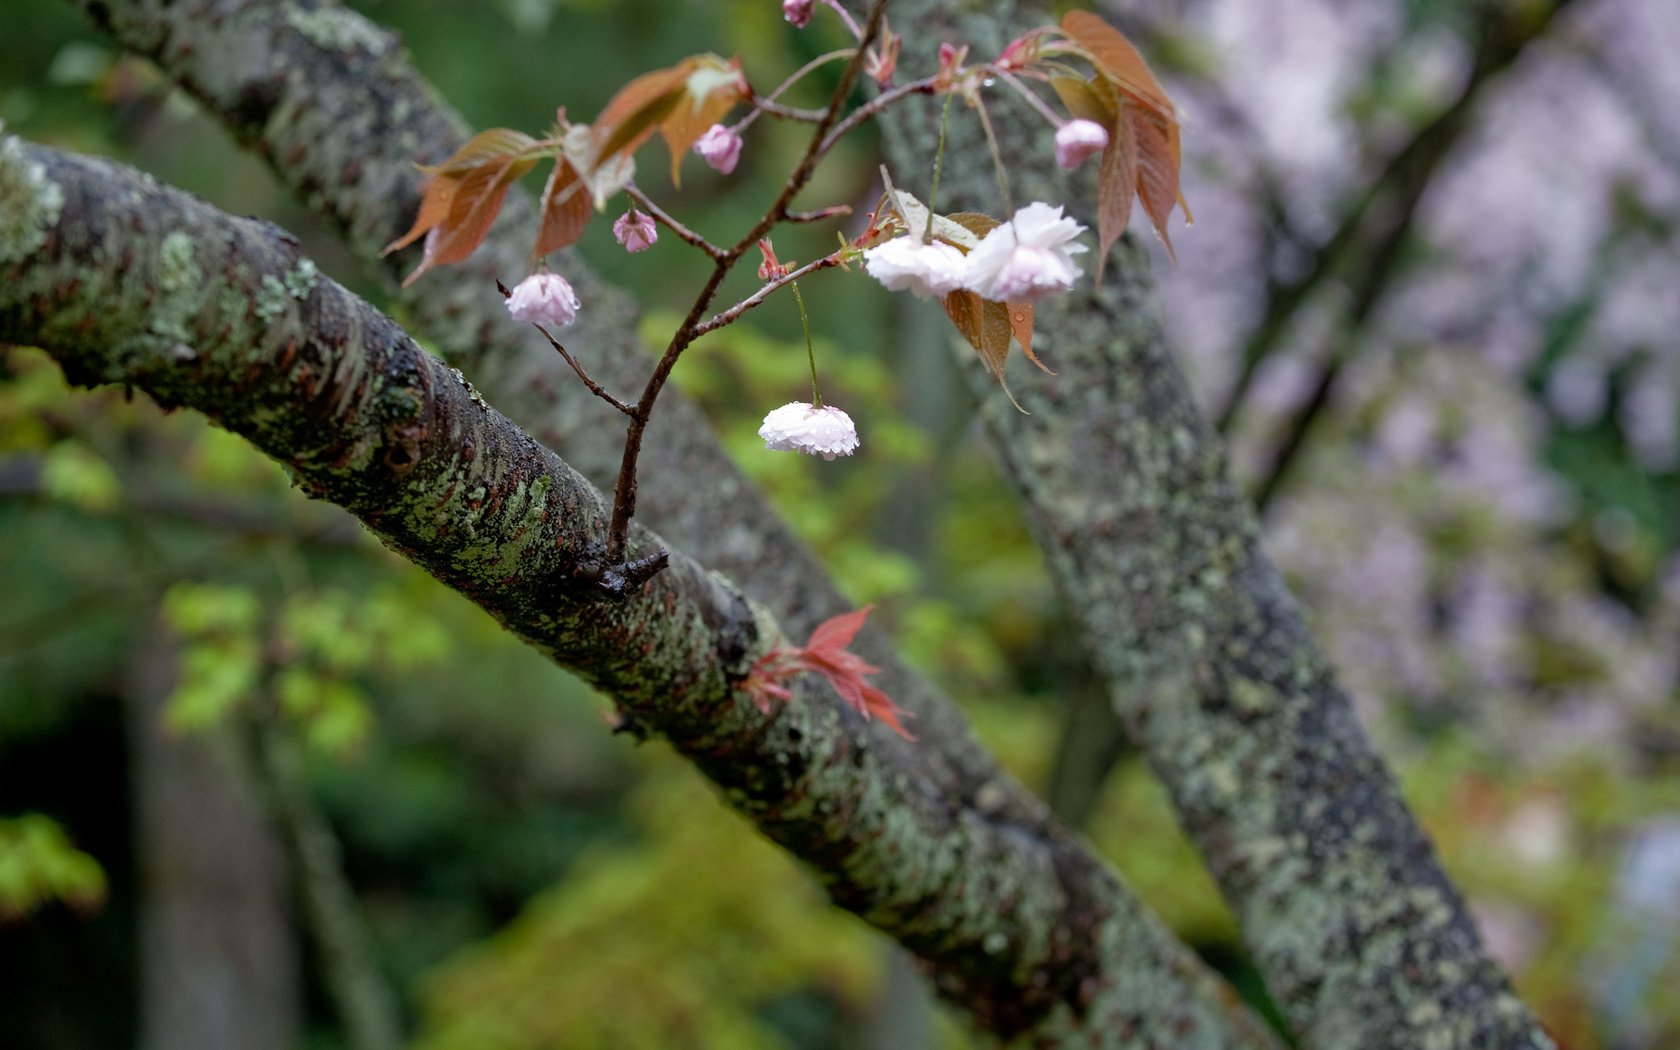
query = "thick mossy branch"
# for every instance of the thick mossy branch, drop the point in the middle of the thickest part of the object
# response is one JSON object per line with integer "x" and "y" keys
{"x": 1352, "y": 922}
{"x": 127, "y": 282}
{"x": 330, "y": 101}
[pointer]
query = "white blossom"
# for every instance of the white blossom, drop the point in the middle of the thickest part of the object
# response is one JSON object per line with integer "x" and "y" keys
{"x": 1028, "y": 257}
{"x": 544, "y": 298}
{"x": 798, "y": 427}
{"x": 934, "y": 269}
{"x": 1078, "y": 139}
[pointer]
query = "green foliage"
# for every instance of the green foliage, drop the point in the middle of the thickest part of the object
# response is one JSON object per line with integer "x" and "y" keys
{"x": 687, "y": 938}
{"x": 38, "y": 866}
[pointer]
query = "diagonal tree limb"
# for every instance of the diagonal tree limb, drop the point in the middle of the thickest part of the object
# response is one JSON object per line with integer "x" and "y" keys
{"x": 331, "y": 103}
{"x": 1361, "y": 938}
{"x": 124, "y": 281}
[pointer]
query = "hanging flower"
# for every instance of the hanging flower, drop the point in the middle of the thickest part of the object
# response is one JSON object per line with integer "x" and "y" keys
{"x": 635, "y": 230}
{"x": 720, "y": 147}
{"x": 798, "y": 11}
{"x": 797, "y": 427}
{"x": 1028, "y": 257}
{"x": 1077, "y": 140}
{"x": 931, "y": 270}
{"x": 543, "y": 298}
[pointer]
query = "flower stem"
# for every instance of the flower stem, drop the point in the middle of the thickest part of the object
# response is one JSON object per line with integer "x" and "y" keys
{"x": 810, "y": 350}
{"x": 938, "y": 162}
{"x": 997, "y": 158}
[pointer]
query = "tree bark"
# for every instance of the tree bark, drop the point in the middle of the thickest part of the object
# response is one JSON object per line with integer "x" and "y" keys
{"x": 124, "y": 281}
{"x": 1360, "y": 936}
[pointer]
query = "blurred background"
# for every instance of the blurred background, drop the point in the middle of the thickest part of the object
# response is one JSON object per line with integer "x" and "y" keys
{"x": 262, "y": 785}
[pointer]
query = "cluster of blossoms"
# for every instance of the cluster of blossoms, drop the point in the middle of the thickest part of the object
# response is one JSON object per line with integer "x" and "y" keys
{"x": 1028, "y": 257}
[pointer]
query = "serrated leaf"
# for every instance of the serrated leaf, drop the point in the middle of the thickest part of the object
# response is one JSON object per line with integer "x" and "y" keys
{"x": 639, "y": 108}
{"x": 444, "y": 180}
{"x": 963, "y": 308}
{"x": 1117, "y": 182}
{"x": 1117, "y": 59}
{"x": 474, "y": 206}
{"x": 564, "y": 208}
{"x": 712, "y": 89}
{"x": 1021, "y": 323}
{"x": 1157, "y": 163}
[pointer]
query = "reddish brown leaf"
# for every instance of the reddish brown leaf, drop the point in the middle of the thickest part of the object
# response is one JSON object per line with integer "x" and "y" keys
{"x": 1021, "y": 323}
{"x": 975, "y": 222}
{"x": 826, "y": 654}
{"x": 995, "y": 333}
{"x": 565, "y": 209}
{"x": 963, "y": 308}
{"x": 1118, "y": 60}
{"x": 438, "y": 192}
{"x": 472, "y": 209}
{"x": 837, "y": 632}
{"x": 638, "y": 108}
{"x": 1117, "y": 182}
{"x": 1157, "y": 170}
{"x": 712, "y": 88}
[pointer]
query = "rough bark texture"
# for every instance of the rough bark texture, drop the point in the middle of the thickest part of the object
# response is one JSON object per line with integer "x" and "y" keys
{"x": 1359, "y": 934}
{"x": 127, "y": 282}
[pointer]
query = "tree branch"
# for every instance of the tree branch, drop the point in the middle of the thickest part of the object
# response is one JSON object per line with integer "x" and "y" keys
{"x": 124, "y": 281}
{"x": 1360, "y": 937}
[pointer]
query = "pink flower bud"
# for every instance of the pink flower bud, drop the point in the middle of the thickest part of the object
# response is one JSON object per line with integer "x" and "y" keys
{"x": 635, "y": 231}
{"x": 1078, "y": 139}
{"x": 720, "y": 147}
{"x": 544, "y": 298}
{"x": 798, "y": 12}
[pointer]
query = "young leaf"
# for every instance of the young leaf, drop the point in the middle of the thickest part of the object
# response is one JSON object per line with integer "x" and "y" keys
{"x": 565, "y": 210}
{"x": 1117, "y": 182}
{"x": 1118, "y": 60}
{"x": 826, "y": 654}
{"x": 471, "y": 211}
{"x": 1021, "y": 323}
{"x": 639, "y": 108}
{"x": 711, "y": 90}
{"x": 1083, "y": 100}
{"x": 1157, "y": 170}
{"x": 463, "y": 195}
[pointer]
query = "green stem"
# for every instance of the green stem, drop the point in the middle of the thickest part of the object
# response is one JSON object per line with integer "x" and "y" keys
{"x": 810, "y": 351}
{"x": 938, "y": 162}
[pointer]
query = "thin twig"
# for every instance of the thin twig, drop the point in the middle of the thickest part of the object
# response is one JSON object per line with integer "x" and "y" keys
{"x": 670, "y": 222}
{"x": 594, "y": 387}
{"x": 624, "y": 493}
{"x": 833, "y": 211}
{"x": 733, "y": 314}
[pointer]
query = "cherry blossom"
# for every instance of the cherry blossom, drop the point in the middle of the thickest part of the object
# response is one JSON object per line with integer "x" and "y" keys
{"x": 544, "y": 298}
{"x": 1028, "y": 257}
{"x": 798, "y": 11}
{"x": 933, "y": 269}
{"x": 720, "y": 147}
{"x": 798, "y": 427}
{"x": 1077, "y": 140}
{"x": 635, "y": 231}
